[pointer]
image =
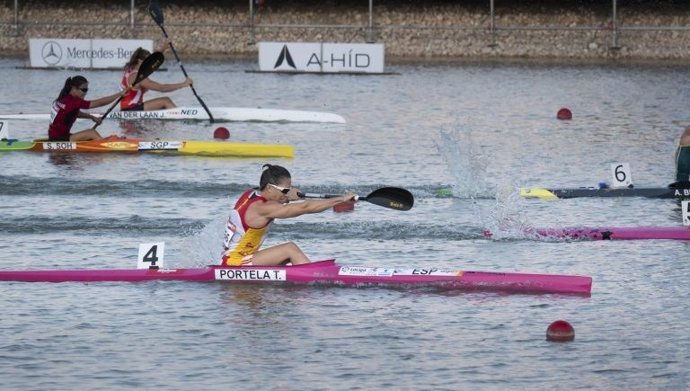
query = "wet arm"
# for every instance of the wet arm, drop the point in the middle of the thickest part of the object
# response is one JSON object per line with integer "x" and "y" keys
{"x": 160, "y": 87}
{"x": 294, "y": 209}
{"x": 104, "y": 101}
{"x": 84, "y": 114}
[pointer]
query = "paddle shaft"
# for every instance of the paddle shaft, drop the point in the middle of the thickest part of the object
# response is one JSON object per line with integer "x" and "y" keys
{"x": 387, "y": 197}
{"x": 109, "y": 110}
{"x": 324, "y": 196}
{"x": 118, "y": 100}
{"x": 157, "y": 16}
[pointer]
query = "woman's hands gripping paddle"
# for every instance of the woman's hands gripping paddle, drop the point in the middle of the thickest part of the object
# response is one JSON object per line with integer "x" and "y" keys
{"x": 147, "y": 67}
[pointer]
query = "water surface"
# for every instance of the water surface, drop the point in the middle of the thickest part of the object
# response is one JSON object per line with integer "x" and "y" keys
{"x": 480, "y": 130}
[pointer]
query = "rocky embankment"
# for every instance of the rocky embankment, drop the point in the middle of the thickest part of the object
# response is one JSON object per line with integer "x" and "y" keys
{"x": 430, "y": 32}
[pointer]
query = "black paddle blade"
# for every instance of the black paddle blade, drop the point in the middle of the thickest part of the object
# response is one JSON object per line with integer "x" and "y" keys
{"x": 156, "y": 12}
{"x": 391, "y": 197}
{"x": 149, "y": 65}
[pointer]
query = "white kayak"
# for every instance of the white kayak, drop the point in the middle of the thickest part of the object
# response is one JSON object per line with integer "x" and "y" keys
{"x": 220, "y": 114}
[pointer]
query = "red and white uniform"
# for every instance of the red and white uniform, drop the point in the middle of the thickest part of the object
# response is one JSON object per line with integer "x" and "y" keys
{"x": 133, "y": 97}
{"x": 62, "y": 116}
{"x": 241, "y": 241}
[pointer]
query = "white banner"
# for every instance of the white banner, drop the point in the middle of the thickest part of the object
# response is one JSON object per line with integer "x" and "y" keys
{"x": 321, "y": 57}
{"x": 353, "y": 57}
{"x": 83, "y": 53}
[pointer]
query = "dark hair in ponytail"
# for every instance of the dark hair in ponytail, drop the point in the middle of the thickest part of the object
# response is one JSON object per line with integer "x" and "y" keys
{"x": 272, "y": 174}
{"x": 139, "y": 54}
{"x": 74, "y": 81}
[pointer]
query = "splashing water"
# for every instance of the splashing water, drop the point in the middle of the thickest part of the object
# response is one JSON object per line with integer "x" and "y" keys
{"x": 505, "y": 220}
{"x": 204, "y": 247}
{"x": 465, "y": 162}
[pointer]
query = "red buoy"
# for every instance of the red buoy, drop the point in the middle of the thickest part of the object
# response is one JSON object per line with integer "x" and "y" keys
{"x": 221, "y": 133}
{"x": 560, "y": 331}
{"x": 564, "y": 114}
{"x": 344, "y": 207}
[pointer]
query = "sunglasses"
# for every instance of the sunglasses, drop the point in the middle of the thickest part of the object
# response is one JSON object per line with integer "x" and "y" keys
{"x": 283, "y": 190}
{"x": 84, "y": 90}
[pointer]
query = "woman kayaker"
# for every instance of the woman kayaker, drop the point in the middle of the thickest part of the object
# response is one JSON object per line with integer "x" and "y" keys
{"x": 254, "y": 213}
{"x": 683, "y": 157}
{"x": 134, "y": 98}
{"x": 68, "y": 107}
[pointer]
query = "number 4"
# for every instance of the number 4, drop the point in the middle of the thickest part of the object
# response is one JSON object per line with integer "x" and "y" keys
{"x": 151, "y": 255}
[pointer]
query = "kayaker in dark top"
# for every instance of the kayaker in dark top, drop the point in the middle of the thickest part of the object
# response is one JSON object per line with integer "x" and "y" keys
{"x": 683, "y": 157}
{"x": 67, "y": 108}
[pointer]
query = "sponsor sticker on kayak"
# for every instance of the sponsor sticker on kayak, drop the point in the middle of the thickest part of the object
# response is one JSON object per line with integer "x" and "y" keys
{"x": 250, "y": 274}
{"x": 427, "y": 272}
{"x": 159, "y": 145}
{"x": 365, "y": 271}
{"x": 118, "y": 145}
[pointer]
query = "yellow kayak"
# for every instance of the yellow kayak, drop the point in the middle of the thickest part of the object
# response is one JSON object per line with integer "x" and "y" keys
{"x": 216, "y": 148}
{"x": 537, "y": 192}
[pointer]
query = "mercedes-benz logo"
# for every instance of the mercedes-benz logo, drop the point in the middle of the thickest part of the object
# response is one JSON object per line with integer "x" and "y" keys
{"x": 51, "y": 52}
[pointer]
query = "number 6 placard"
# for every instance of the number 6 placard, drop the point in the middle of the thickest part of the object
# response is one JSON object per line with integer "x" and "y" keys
{"x": 151, "y": 255}
{"x": 622, "y": 177}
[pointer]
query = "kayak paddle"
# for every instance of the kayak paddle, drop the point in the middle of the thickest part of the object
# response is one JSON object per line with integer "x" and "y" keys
{"x": 388, "y": 197}
{"x": 147, "y": 67}
{"x": 157, "y": 15}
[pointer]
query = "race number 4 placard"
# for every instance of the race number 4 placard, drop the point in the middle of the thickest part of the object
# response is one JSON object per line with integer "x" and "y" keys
{"x": 151, "y": 255}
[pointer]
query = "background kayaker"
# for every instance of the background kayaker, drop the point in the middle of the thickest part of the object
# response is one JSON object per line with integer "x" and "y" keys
{"x": 67, "y": 108}
{"x": 254, "y": 212}
{"x": 683, "y": 157}
{"x": 134, "y": 98}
